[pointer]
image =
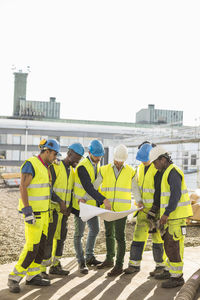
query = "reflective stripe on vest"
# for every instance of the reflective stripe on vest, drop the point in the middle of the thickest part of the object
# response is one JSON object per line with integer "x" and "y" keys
{"x": 169, "y": 193}
{"x": 79, "y": 191}
{"x": 117, "y": 190}
{"x": 179, "y": 204}
{"x": 39, "y": 188}
{"x": 63, "y": 184}
{"x": 146, "y": 184}
{"x": 183, "y": 209}
{"x": 116, "y": 200}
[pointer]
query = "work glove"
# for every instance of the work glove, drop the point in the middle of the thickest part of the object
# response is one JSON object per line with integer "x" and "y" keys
{"x": 29, "y": 216}
{"x": 152, "y": 212}
{"x": 162, "y": 228}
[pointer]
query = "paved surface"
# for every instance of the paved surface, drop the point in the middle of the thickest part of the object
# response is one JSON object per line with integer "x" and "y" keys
{"x": 96, "y": 285}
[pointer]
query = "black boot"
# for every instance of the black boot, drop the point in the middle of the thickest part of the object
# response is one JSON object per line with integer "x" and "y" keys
{"x": 131, "y": 270}
{"x": 93, "y": 262}
{"x": 156, "y": 271}
{"x": 13, "y": 286}
{"x": 164, "y": 275}
{"x": 58, "y": 270}
{"x": 173, "y": 282}
{"x": 82, "y": 268}
{"x": 39, "y": 281}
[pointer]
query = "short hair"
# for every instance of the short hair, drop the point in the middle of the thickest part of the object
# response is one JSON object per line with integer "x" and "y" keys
{"x": 167, "y": 156}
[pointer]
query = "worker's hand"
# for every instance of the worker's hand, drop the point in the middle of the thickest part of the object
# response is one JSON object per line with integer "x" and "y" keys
{"x": 163, "y": 219}
{"x": 28, "y": 214}
{"x": 63, "y": 208}
{"x": 107, "y": 204}
{"x": 140, "y": 205}
{"x": 68, "y": 212}
{"x": 82, "y": 200}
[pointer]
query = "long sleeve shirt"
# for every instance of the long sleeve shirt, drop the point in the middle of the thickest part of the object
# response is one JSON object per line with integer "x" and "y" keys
{"x": 88, "y": 185}
{"x": 157, "y": 185}
{"x": 174, "y": 180}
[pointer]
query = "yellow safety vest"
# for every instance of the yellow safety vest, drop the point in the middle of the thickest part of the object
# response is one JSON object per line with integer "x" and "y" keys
{"x": 146, "y": 184}
{"x": 63, "y": 185}
{"x": 117, "y": 190}
{"x": 183, "y": 209}
{"x": 79, "y": 191}
{"x": 39, "y": 188}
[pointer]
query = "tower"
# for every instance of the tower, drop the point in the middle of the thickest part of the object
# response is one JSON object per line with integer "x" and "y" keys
{"x": 19, "y": 90}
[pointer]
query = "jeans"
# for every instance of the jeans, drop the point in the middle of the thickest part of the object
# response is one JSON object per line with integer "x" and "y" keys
{"x": 93, "y": 225}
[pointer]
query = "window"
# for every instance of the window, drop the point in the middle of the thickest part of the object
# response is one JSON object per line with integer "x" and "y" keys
{"x": 2, "y": 154}
{"x": 16, "y": 155}
{"x": 36, "y": 140}
{"x": 16, "y": 139}
{"x": 193, "y": 160}
{"x": 2, "y": 138}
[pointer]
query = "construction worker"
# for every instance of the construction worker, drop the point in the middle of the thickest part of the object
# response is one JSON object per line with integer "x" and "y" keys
{"x": 117, "y": 182}
{"x": 149, "y": 180}
{"x": 175, "y": 207}
{"x": 85, "y": 174}
{"x": 34, "y": 204}
{"x": 62, "y": 174}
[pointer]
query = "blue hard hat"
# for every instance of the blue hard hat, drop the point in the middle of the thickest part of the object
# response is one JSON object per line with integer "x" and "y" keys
{"x": 50, "y": 144}
{"x": 78, "y": 148}
{"x": 143, "y": 152}
{"x": 96, "y": 148}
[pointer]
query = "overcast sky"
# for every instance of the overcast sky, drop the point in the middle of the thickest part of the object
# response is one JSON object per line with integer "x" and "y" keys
{"x": 103, "y": 60}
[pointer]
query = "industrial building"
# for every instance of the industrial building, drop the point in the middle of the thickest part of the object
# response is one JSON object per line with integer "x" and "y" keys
{"x": 35, "y": 120}
{"x": 151, "y": 115}
{"x": 29, "y": 109}
{"x": 19, "y": 140}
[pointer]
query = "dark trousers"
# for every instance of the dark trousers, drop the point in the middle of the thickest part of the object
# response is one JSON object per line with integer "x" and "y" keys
{"x": 115, "y": 230}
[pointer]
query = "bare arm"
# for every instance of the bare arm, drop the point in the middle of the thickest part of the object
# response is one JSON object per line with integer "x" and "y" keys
{"x": 25, "y": 181}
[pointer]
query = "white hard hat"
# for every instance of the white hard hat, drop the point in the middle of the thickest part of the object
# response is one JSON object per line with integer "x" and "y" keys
{"x": 156, "y": 152}
{"x": 120, "y": 153}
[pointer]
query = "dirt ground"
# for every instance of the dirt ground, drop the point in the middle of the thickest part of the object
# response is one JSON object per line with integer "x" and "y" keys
{"x": 12, "y": 231}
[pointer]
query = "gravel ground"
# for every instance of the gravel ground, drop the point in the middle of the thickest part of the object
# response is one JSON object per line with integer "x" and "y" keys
{"x": 12, "y": 231}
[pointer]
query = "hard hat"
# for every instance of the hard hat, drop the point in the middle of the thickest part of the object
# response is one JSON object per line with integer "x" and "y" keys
{"x": 50, "y": 144}
{"x": 96, "y": 148}
{"x": 156, "y": 152}
{"x": 121, "y": 153}
{"x": 143, "y": 152}
{"x": 77, "y": 148}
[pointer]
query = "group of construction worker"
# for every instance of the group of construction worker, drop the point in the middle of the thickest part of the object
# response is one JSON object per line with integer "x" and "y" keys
{"x": 52, "y": 189}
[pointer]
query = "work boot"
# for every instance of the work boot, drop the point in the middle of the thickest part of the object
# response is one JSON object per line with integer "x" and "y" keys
{"x": 156, "y": 271}
{"x": 45, "y": 275}
{"x": 106, "y": 264}
{"x": 173, "y": 282}
{"x": 58, "y": 270}
{"x": 93, "y": 262}
{"x": 38, "y": 280}
{"x": 82, "y": 268}
{"x": 13, "y": 286}
{"x": 115, "y": 271}
{"x": 163, "y": 275}
{"x": 131, "y": 270}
